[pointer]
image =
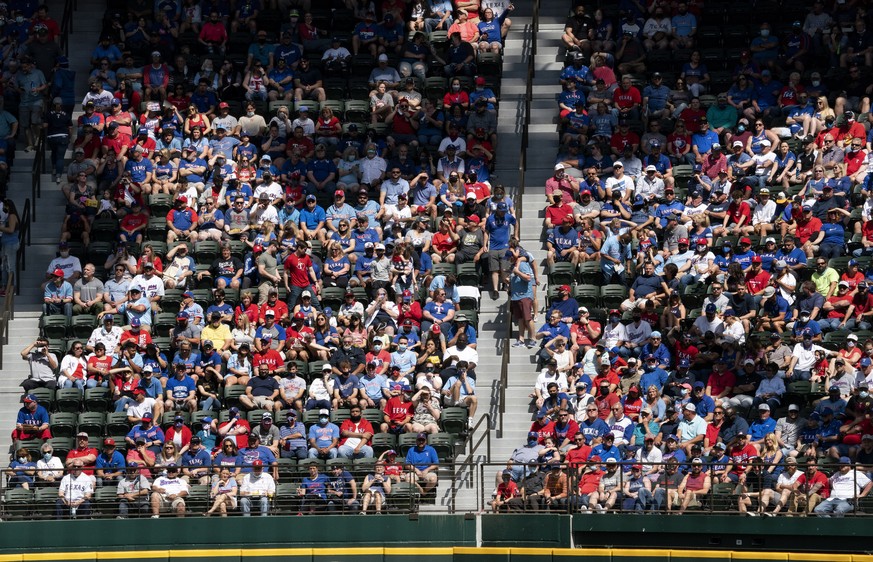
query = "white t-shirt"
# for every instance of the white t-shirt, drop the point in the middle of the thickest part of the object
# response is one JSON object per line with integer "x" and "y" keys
{"x": 69, "y": 265}
{"x": 613, "y": 334}
{"x": 110, "y": 339}
{"x": 76, "y": 488}
{"x": 805, "y": 357}
{"x": 170, "y": 485}
{"x": 147, "y": 406}
{"x": 638, "y": 334}
{"x": 544, "y": 378}
{"x": 262, "y": 486}
{"x": 469, "y": 354}
{"x": 845, "y": 486}
{"x": 153, "y": 287}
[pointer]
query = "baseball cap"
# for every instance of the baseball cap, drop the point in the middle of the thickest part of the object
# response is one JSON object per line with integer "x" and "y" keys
{"x": 421, "y": 436}
{"x": 711, "y": 308}
{"x": 793, "y": 408}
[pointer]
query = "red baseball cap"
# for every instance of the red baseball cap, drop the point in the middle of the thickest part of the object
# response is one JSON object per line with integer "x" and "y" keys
{"x": 756, "y": 259}
{"x": 474, "y": 219}
{"x": 58, "y": 272}
{"x": 745, "y": 240}
{"x": 564, "y": 288}
{"x": 683, "y": 241}
{"x": 223, "y": 105}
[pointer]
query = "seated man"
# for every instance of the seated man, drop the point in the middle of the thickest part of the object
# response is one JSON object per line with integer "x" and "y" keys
{"x": 169, "y": 493}
{"x": 424, "y": 463}
{"x": 75, "y": 492}
{"x": 323, "y": 437}
{"x": 259, "y": 486}
{"x": 313, "y": 491}
{"x": 262, "y": 391}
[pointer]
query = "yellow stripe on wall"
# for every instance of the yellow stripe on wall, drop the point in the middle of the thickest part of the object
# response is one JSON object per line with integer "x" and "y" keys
{"x": 578, "y": 553}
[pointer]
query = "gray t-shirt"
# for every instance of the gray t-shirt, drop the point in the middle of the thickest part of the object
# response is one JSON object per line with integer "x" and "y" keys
{"x": 39, "y": 366}
{"x": 90, "y": 290}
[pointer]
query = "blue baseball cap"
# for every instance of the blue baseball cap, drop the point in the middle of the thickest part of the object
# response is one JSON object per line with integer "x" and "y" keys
{"x": 866, "y": 362}
{"x": 502, "y": 206}
{"x": 711, "y": 308}
{"x": 135, "y": 322}
{"x": 684, "y": 363}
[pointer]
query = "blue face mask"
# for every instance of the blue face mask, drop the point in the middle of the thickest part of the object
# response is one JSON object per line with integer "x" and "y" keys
{"x": 726, "y": 249}
{"x": 741, "y": 128}
{"x": 531, "y": 442}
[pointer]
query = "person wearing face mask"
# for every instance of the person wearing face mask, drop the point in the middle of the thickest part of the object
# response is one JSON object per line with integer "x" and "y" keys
{"x": 803, "y": 358}
{"x": 323, "y": 437}
{"x": 804, "y": 326}
{"x": 49, "y": 468}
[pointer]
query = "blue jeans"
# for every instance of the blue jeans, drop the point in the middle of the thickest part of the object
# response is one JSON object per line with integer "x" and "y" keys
{"x": 123, "y": 403}
{"x": 9, "y": 253}
{"x": 853, "y": 324}
{"x": 835, "y": 506}
{"x": 294, "y": 296}
{"x": 331, "y": 454}
{"x": 347, "y": 452}
{"x": 65, "y": 308}
{"x": 58, "y": 146}
{"x": 210, "y": 404}
{"x": 92, "y": 383}
{"x": 245, "y": 504}
{"x": 829, "y": 324}
{"x": 78, "y": 383}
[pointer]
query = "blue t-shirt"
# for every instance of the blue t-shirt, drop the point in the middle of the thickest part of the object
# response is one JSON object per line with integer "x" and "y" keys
{"x": 181, "y": 388}
{"x": 324, "y": 434}
{"x": 499, "y": 230}
{"x": 423, "y": 458}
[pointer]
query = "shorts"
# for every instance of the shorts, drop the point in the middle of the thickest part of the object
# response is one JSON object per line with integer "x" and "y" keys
{"x": 497, "y": 261}
{"x": 261, "y": 401}
{"x": 168, "y": 504}
{"x": 30, "y": 114}
{"x": 522, "y": 309}
{"x": 227, "y": 280}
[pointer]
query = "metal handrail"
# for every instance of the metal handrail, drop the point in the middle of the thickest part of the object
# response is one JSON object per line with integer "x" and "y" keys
{"x": 7, "y": 316}
{"x": 721, "y": 499}
{"x": 468, "y": 463}
{"x": 23, "y": 242}
{"x": 67, "y": 25}
{"x": 36, "y": 174}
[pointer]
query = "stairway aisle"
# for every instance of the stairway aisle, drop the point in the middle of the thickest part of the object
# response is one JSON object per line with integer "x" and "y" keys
{"x": 540, "y": 157}
{"x": 492, "y": 314}
{"x": 45, "y": 231}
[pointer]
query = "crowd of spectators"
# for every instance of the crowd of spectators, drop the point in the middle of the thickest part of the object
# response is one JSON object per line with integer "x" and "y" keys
{"x": 707, "y": 229}
{"x": 277, "y": 218}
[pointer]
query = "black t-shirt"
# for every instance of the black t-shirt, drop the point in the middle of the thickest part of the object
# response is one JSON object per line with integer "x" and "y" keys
{"x": 579, "y": 26}
{"x": 309, "y": 78}
{"x": 226, "y": 267}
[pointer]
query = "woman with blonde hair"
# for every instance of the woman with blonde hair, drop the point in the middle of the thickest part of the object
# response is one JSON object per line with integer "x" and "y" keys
{"x": 223, "y": 493}
{"x": 166, "y": 173}
{"x": 328, "y": 128}
{"x": 349, "y": 170}
{"x": 815, "y": 123}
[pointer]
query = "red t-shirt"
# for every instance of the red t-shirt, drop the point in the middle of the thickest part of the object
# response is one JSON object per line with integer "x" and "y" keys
{"x": 577, "y": 456}
{"x": 556, "y": 214}
{"x": 854, "y": 160}
{"x": 397, "y": 410}
{"x": 279, "y": 307}
{"x": 116, "y": 144}
{"x": 740, "y": 456}
{"x": 604, "y": 404}
{"x": 738, "y": 211}
{"x": 805, "y": 229}
{"x": 442, "y": 242}
{"x": 676, "y": 144}
{"x": 103, "y": 363}
{"x": 632, "y": 408}
{"x": 270, "y": 358}
{"x": 252, "y": 312}
{"x": 543, "y": 431}
{"x": 720, "y": 381}
{"x": 756, "y": 283}
{"x": 298, "y": 269}
{"x": 626, "y": 98}
{"x": 620, "y": 141}
{"x": 77, "y": 453}
{"x": 817, "y": 478}
{"x": 133, "y": 221}
{"x": 853, "y": 280}
{"x": 142, "y": 338}
{"x": 362, "y": 426}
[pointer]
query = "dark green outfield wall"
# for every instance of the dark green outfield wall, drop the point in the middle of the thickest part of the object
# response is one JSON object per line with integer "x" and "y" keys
{"x": 440, "y": 538}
